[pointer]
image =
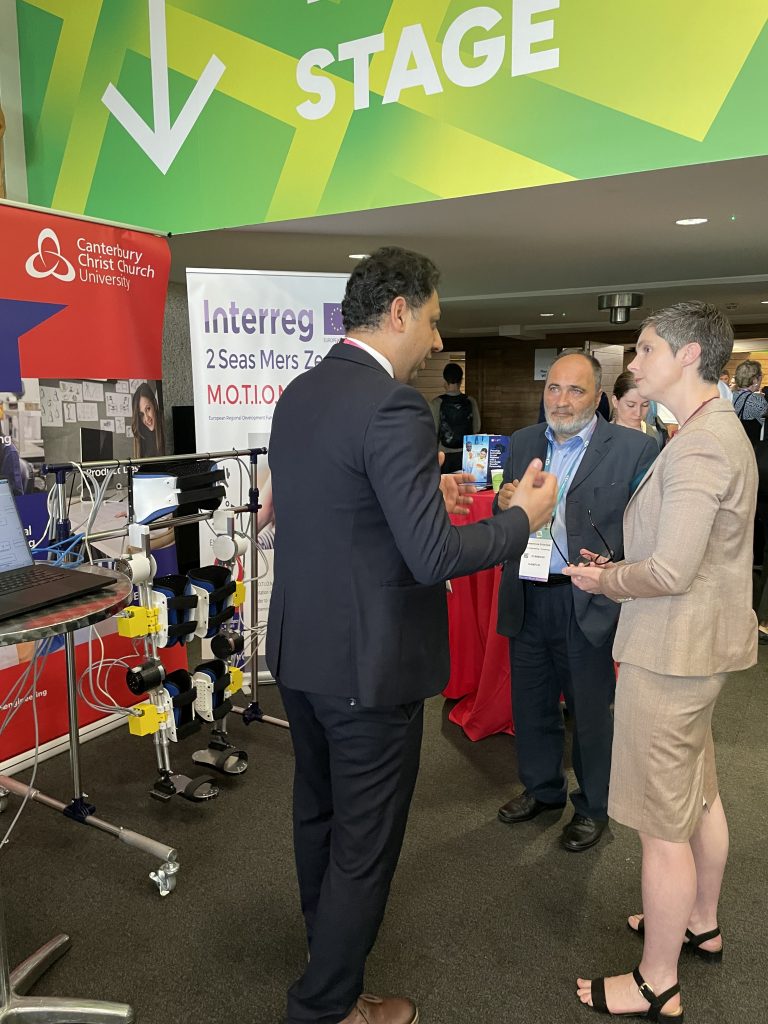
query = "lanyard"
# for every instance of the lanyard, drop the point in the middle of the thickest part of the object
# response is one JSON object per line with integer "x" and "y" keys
{"x": 576, "y": 457}
{"x": 706, "y": 402}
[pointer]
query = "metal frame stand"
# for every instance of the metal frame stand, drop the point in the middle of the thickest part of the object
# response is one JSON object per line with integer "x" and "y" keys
{"x": 78, "y": 809}
{"x": 253, "y": 712}
{"x": 17, "y": 1008}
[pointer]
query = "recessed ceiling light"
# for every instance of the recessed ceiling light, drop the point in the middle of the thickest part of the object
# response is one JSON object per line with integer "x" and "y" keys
{"x": 546, "y": 314}
{"x": 359, "y": 255}
{"x": 764, "y": 302}
{"x": 688, "y": 222}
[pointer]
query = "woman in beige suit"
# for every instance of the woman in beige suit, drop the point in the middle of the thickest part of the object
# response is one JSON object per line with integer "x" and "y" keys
{"x": 686, "y": 621}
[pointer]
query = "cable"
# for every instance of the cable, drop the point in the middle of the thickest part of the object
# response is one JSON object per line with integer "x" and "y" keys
{"x": 16, "y": 697}
{"x": 35, "y": 676}
{"x": 93, "y": 702}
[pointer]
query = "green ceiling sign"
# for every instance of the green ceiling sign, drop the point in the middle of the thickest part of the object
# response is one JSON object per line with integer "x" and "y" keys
{"x": 190, "y": 114}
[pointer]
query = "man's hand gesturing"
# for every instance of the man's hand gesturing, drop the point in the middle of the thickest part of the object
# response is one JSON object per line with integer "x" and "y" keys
{"x": 457, "y": 489}
{"x": 506, "y": 494}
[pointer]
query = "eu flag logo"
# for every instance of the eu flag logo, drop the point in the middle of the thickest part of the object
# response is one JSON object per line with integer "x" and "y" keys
{"x": 332, "y": 322}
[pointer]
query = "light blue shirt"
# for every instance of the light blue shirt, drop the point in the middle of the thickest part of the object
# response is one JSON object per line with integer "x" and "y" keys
{"x": 564, "y": 460}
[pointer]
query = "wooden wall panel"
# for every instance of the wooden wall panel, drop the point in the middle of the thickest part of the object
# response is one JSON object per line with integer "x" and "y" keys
{"x": 499, "y": 374}
{"x": 429, "y": 381}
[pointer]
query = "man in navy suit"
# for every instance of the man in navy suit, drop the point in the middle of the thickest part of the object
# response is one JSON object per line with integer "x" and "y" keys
{"x": 561, "y": 638}
{"x": 358, "y": 632}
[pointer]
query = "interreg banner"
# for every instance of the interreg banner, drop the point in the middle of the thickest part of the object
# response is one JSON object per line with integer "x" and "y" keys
{"x": 251, "y": 333}
{"x": 191, "y": 114}
{"x": 81, "y": 316}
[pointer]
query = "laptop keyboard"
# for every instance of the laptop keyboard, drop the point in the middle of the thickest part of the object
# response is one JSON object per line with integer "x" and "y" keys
{"x": 28, "y": 576}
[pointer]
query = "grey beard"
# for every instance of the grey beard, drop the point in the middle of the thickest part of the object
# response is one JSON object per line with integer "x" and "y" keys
{"x": 569, "y": 427}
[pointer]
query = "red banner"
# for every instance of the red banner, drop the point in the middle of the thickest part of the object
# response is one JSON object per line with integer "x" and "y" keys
{"x": 81, "y": 319}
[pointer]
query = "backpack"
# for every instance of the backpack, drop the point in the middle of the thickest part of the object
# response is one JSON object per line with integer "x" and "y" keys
{"x": 455, "y": 420}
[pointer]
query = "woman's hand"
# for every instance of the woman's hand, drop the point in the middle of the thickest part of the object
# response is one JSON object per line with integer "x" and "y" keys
{"x": 585, "y": 577}
{"x": 587, "y": 557}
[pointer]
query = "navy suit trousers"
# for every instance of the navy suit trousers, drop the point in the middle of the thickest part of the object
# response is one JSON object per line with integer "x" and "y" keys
{"x": 550, "y": 656}
{"x": 355, "y": 773}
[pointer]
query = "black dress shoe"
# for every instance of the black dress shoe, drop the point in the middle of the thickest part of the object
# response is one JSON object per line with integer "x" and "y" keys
{"x": 524, "y": 807}
{"x": 580, "y": 833}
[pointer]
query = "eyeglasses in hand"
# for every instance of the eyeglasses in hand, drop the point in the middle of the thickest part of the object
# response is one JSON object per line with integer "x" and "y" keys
{"x": 599, "y": 559}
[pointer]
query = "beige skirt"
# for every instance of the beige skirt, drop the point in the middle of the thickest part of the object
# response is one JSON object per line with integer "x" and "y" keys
{"x": 663, "y": 767}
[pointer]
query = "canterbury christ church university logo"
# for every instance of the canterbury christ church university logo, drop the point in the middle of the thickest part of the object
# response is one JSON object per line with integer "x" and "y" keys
{"x": 101, "y": 263}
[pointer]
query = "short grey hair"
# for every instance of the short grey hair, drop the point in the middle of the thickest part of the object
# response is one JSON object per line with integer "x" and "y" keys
{"x": 700, "y": 322}
{"x": 597, "y": 370}
{"x": 747, "y": 373}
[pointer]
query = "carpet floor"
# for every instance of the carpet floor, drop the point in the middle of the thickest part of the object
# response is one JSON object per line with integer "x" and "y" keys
{"x": 485, "y": 922}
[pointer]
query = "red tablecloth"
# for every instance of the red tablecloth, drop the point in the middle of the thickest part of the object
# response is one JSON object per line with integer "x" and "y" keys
{"x": 480, "y": 676}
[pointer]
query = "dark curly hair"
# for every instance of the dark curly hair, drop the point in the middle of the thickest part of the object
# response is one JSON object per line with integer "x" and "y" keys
{"x": 379, "y": 279}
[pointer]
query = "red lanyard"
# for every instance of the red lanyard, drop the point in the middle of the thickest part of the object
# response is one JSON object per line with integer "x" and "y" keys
{"x": 695, "y": 411}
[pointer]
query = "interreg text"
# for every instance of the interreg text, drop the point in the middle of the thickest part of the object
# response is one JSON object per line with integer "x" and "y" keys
{"x": 412, "y": 65}
{"x": 267, "y": 320}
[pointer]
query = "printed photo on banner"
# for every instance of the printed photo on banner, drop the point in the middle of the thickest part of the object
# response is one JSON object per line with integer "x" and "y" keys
{"x": 79, "y": 382}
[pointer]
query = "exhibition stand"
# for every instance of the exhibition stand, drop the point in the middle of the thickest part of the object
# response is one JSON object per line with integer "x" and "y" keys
{"x": 168, "y": 610}
{"x": 480, "y": 675}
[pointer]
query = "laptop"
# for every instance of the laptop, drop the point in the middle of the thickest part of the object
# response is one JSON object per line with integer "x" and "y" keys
{"x": 26, "y": 584}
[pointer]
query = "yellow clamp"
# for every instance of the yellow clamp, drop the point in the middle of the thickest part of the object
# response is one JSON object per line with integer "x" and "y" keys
{"x": 239, "y": 596}
{"x": 235, "y": 681}
{"x": 149, "y": 722}
{"x": 138, "y": 621}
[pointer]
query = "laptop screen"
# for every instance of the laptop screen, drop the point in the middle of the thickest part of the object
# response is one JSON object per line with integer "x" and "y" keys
{"x": 14, "y": 549}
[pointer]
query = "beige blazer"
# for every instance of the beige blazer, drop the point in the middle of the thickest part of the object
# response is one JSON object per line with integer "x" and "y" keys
{"x": 688, "y": 554}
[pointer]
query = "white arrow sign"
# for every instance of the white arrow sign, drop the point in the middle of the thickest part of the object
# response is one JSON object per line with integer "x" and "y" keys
{"x": 164, "y": 142}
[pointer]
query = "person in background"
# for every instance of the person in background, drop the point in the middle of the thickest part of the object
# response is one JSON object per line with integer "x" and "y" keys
{"x": 629, "y": 409}
{"x": 146, "y": 424}
{"x": 749, "y": 404}
{"x": 724, "y": 386}
{"x": 357, "y": 635}
{"x": 686, "y": 621}
{"x": 11, "y": 466}
{"x": 456, "y": 415}
{"x": 760, "y": 602}
{"x": 558, "y": 641}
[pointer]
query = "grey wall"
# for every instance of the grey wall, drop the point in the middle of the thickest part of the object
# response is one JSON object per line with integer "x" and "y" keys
{"x": 177, "y": 360}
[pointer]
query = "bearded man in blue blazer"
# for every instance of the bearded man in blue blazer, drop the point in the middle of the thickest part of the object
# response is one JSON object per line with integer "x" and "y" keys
{"x": 358, "y": 631}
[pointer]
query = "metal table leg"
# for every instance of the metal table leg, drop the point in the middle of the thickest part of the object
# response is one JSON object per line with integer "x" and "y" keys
{"x": 17, "y": 1008}
{"x": 79, "y": 809}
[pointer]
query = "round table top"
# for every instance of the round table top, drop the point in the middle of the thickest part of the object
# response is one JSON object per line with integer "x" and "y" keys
{"x": 74, "y": 613}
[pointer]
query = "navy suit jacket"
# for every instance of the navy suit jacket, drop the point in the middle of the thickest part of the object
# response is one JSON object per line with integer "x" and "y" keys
{"x": 613, "y": 465}
{"x": 363, "y": 544}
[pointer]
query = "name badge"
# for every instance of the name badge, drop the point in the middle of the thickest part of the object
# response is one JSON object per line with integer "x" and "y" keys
{"x": 534, "y": 564}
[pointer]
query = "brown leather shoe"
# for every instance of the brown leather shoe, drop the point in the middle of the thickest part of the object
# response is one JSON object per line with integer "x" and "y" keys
{"x": 375, "y": 1010}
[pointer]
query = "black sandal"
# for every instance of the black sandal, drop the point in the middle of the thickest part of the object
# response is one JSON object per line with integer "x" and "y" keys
{"x": 693, "y": 942}
{"x": 653, "y": 1013}
{"x": 693, "y": 945}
